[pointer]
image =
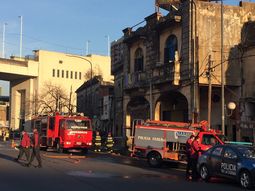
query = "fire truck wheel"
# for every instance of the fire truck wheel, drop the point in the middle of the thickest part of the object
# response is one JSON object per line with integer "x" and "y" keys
{"x": 85, "y": 151}
{"x": 58, "y": 148}
{"x": 154, "y": 159}
{"x": 44, "y": 148}
{"x": 204, "y": 173}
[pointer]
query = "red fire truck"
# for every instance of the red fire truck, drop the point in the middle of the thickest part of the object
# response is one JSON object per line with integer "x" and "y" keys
{"x": 64, "y": 132}
{"x": 163, "y": 140}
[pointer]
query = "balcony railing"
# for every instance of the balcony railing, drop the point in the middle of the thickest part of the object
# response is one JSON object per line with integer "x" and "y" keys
{"x": 159, "y": 74}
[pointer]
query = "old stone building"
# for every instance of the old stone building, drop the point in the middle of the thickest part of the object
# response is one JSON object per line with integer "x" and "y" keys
{"x": 94, "y": 99}
{"x": 4, "y": 111}
{"x": 245, "y": 125}
{"x": 161, "y": 66}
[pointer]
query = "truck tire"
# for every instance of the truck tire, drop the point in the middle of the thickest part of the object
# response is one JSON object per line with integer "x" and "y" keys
{"x": 245, "y": 179}
{"x": 59, "y": 148}
{"x": 204, "y": 173}
{"x": 44, "y": 148}
{"x": 154, "y": 159}
{"x": 84, "y": 151}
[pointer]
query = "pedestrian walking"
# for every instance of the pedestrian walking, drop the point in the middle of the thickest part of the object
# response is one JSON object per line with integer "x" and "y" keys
{"x": 97, "y": 142}
{"x": 194, "y": 157}
{"x": 24, "y": 146}
{"x": 109, "y": 143}
{"x": 35, "y": 149}
{"x": 189, "y": 151}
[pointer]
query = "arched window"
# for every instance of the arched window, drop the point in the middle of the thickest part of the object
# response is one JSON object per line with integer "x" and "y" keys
{"x": 138, "y": 60}
{"x": 170, "y": 47}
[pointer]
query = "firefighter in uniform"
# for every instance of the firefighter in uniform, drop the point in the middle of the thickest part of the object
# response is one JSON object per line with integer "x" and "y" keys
{"x": 189, "y": 151}
{"x": 109, "y": 143}
{"x": 35, "y": 149}
{"x": 24, "y": 146}
{"x": 97, "y": 142}
{"x": 194, "y": 157}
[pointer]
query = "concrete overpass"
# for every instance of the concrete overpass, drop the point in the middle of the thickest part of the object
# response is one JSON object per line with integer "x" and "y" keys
{"x": 16, "y": 72}
{"x": 12, "y": 70}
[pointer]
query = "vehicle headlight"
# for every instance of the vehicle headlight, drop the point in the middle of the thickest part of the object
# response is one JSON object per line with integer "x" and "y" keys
{"x": 68, "y": 143}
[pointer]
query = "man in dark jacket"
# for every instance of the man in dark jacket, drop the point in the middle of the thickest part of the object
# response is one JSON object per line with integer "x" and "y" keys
{"x": 24, "y": 146}
{"x": 189, "y": 151}
{"x": 36, "y": 149}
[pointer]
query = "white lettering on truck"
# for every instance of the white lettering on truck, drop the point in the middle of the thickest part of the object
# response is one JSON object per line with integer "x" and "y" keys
{"x": 144, "y": 138}
{"x": 178, "y": 134}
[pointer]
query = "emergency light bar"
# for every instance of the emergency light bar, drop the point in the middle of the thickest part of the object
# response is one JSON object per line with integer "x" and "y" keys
{"x": 239, "y": 143}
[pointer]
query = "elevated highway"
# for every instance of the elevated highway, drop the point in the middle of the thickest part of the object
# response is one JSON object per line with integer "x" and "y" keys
{"x": 20, "y": 73}
{"x": 12, "y": 70}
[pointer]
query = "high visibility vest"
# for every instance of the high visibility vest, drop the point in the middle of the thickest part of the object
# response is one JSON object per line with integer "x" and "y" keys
{"x": 98, "y": 140}
{"x": 109, "y": 142}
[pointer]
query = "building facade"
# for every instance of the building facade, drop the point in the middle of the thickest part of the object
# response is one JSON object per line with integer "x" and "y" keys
{"x": 55, "y": 72}
{"x": 161, "y": 68}
{"x": 4, "y": 111}
{"x": 95, "y": 99}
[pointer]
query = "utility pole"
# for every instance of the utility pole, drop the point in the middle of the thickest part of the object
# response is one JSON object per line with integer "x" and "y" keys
{"x": 108, "y": 45}
{"x": 222, "y": 76}
{"x": 151, "y": 117}
{"x": 70, "y": 101}
{"x": 87, "y": 47}
{"x": 3, "y": 53}
{"x": 209, "y": 75}
{"x": 21, "y": 35}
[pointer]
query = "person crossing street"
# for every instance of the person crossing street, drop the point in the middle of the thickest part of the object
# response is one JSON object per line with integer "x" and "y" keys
{"x": 24, "y": 146}
{"x": 35, "y": 149}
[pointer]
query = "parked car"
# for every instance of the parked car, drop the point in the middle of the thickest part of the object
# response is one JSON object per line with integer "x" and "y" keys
{"x": 229, "y": 161}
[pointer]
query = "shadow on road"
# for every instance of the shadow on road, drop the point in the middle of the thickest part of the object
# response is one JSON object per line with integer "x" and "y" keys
{"x": 10, "y": 158}
{"x": 7, "y": 157}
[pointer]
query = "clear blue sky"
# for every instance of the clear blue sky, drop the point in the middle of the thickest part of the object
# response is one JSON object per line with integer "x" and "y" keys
{"x": 66, "y": 25}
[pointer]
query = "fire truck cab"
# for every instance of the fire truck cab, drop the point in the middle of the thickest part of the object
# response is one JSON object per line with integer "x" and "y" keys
{"x": 64, "y": 132}
{"x": 163, "y": 140}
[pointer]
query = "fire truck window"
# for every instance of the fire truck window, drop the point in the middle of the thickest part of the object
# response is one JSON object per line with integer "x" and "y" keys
{"x": 209, "y": 140}
{"x": 62, "y": 124}
{"x": 78, "y": 124}
{"x": 52, "y": 122}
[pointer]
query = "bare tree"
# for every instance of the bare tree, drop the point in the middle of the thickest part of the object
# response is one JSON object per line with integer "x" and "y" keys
{"x": 96, "y": 71}
{"x": 53, "y": 98}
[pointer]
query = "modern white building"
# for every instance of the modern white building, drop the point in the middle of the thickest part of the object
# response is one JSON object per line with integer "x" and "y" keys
{"x": 38, "y": 76}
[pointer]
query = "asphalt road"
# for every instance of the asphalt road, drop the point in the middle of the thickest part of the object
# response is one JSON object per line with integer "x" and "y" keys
{"x": 96, "y": 172}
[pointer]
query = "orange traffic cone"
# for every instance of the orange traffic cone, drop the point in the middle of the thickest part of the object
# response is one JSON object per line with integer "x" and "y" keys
{"x": 13, "y": 144}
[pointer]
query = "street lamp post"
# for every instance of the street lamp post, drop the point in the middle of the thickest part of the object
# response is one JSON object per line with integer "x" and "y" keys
{"x": 91, "y": 71}
{"x": 231, "y": 106}
{"x": 91, "y": 75}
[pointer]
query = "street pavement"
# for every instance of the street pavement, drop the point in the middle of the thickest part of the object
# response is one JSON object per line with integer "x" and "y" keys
{"x": 95, "y": 172}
